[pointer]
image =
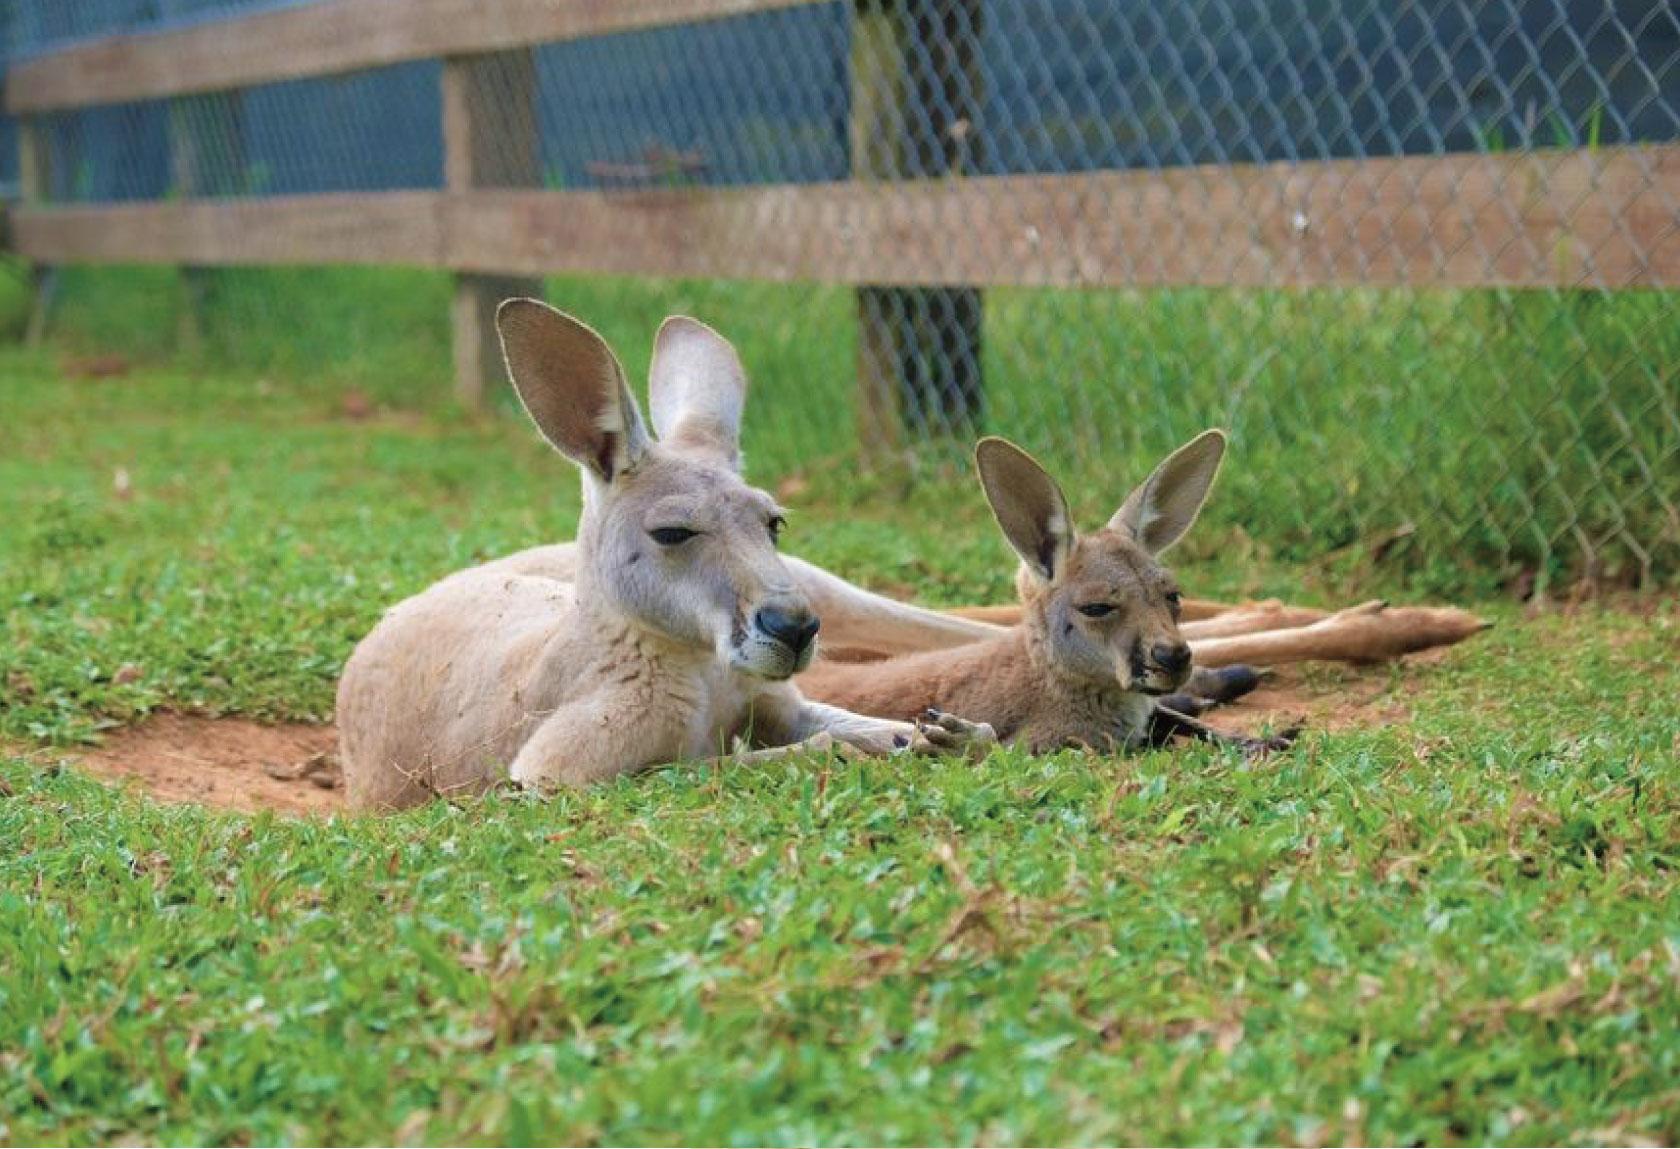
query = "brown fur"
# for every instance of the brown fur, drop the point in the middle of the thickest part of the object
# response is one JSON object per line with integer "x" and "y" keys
{"x": 1010, "y": 680}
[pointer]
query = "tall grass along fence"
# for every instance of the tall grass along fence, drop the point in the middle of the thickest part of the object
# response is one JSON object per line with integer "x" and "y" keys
{"x": 1421, "y": 258}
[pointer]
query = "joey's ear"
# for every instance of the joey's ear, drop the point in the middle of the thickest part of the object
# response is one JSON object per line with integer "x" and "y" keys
{"x": 696, "y": 388}
{"x": 1028, "y": 504}
{"x": 1159, "y": 512}
{"x": 572, "y": 387}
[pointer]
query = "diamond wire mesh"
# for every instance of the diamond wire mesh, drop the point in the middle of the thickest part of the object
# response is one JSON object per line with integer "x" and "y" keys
{"x": 1475, "y": 433}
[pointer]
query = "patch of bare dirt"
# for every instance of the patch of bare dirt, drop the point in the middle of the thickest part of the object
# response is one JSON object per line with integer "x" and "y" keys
{"x": 1332, "y": 698}
{"x": 229, "y": 763}
{"x": 236, "y": 764}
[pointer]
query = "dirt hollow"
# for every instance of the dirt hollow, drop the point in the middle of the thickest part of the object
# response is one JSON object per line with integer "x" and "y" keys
{"x": 230, "y": 763}
{"x": 236, "y": 764}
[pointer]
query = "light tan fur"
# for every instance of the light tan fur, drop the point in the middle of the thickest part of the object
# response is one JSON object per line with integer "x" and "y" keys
{"x": 1274, "y": 633}
{"x": 1099, "y": 638}
{"x": 668, "y": 632}
{"x": 853, "y": 619}
{"x": 1371, "y": 632}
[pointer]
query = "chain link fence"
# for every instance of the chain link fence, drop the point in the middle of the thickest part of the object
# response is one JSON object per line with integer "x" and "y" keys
{"x": 1331, "y": 227}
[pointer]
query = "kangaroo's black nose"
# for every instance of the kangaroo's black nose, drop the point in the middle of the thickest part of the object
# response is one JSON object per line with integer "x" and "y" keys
{"x": 1172, "y": 657}
{"x": 793, "y": 628}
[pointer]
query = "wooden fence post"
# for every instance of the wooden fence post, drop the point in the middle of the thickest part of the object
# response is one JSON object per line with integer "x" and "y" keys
{"x": 876, "y": 68}
{"x": 206, "y": 158}
{"x": 917, "y": 94}
{"x": 490, "y": 139}
{"x": 34, "y": 181}
{"x": 35, "y": 187}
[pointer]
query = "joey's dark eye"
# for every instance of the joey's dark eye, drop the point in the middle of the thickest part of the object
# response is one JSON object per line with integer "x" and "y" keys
{"x": 1096, "y": 610}
{"x": 777, "y": 525}
{"x": 1175, "y": 600}
{"x": 671, "y": 536}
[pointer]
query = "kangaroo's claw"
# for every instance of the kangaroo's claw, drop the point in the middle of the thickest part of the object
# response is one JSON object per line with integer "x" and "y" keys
{"x": 941, "y": 733}
{"x": 953, "y": 724}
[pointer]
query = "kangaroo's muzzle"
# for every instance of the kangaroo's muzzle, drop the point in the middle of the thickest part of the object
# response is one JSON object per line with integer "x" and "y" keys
{"x": 794, "y": 629}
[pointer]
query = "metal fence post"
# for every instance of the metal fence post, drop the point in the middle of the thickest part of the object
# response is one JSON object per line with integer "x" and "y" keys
{"x": 489, "y": 140}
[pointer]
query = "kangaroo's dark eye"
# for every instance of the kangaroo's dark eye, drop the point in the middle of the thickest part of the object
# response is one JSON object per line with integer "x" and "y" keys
{"x": 1096, "y": 610}
{"x": 777, "y": 525}
{"x": 671, "y": 536}
{"x": 1174, "y": 600}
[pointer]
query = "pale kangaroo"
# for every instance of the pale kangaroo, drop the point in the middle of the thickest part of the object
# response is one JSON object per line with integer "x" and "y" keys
{"x": 668, "y": 631}
{"x": 1099, "y": 642}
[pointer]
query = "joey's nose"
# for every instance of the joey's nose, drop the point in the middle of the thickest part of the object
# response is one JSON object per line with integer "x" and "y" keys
{"x": 795, "y": 629}
{"x": 1172, "y": 657}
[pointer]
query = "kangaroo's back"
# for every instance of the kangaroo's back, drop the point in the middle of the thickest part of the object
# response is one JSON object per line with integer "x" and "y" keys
{"x": 440, "y": 695}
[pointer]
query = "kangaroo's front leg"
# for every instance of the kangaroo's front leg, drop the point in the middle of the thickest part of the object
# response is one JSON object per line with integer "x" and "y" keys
{"x": 933, "y": 733}
{"x": 943, "y": 734}
{"x": 592, "y": 740}
{"x": 816, "y": 744}
{"x": 792, "y": 718}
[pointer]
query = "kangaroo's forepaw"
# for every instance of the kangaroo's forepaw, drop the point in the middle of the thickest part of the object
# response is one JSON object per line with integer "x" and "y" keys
{"x": 941, "y": 733}
{"x": 1225, "y": 683}
{"x": 1189, "y": 705}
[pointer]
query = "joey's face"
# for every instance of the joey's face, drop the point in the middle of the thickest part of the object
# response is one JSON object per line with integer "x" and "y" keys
{"x": 1105, "y": 608}
{"x": 1111, "y": 617}
{"x": 688, "y": 549}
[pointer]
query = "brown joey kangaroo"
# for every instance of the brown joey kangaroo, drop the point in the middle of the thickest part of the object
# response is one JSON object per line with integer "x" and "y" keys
{"x": 669, "y": 631}
{"x": 1098, "y": 647}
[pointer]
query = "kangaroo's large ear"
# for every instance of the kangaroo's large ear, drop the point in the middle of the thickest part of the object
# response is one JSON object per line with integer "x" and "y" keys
{"x": 1159, "y": 512}
{"x": 572, "y": 387}
{"x": 696, "y": 388}
{"x": 1028, "y": 504}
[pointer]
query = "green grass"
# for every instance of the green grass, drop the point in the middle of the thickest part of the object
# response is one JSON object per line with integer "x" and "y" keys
{"x": 1465, "y": 927}
{"x": 1471, "y": 438}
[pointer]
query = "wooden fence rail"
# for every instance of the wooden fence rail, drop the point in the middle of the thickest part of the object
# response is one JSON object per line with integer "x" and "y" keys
{"x": 1534, "y": 219}
{"x": 330, "y": 38}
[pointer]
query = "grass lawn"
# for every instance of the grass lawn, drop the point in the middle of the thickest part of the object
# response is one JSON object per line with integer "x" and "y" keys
{"x": 1484, "y": 436}
{"x": 1463, "y": 927}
